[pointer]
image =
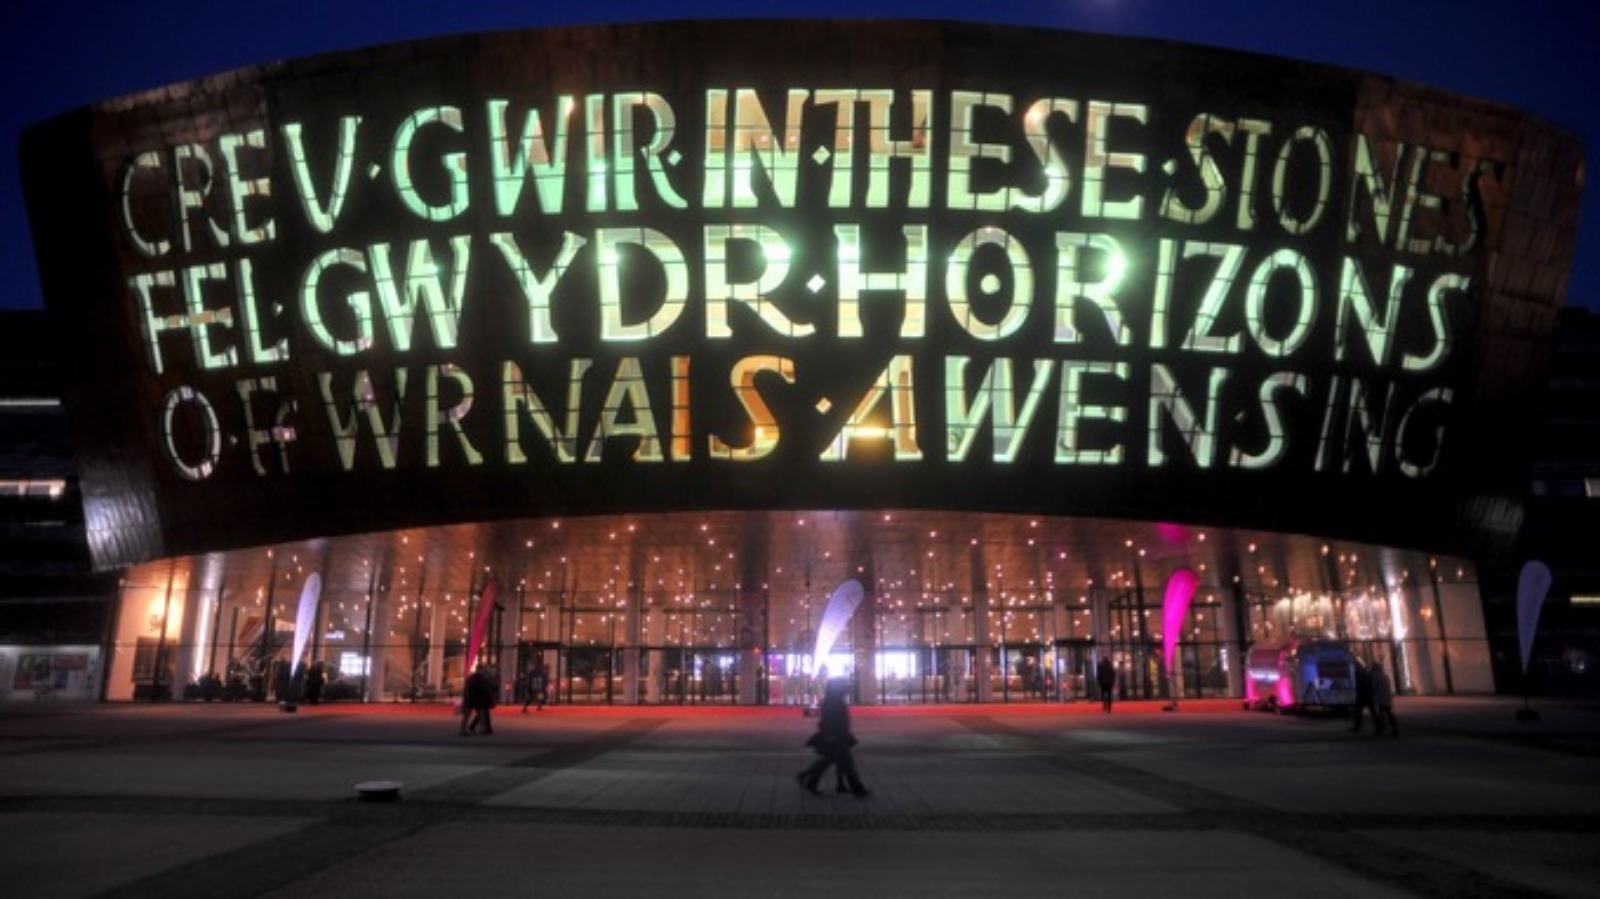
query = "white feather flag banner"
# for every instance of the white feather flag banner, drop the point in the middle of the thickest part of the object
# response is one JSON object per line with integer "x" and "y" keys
{"x": 305, "y": 619}
{"x": 835, "y": 618}
{"x": 1532, "y": 585}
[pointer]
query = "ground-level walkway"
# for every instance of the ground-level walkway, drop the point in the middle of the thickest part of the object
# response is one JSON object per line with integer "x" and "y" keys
{"x": 1037, "y": 800}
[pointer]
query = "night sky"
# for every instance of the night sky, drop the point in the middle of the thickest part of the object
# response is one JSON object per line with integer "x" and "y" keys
{"x": 1539, "y": 55}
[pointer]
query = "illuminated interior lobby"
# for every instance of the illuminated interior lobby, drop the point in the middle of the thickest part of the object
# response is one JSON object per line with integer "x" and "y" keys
{"x": 723, "y": 608}
{"x": 1009, "y": 326}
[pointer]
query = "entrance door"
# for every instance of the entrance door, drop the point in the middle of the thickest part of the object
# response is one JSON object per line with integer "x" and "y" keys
{"x": 690, "y": 675}
{"x": 955, "y": 674}
{"x": 548, "y": 656}
{"x": 1074, "y": 669}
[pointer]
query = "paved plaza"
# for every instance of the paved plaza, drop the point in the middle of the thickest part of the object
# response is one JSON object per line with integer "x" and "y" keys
{"x": 1022, "y": 800}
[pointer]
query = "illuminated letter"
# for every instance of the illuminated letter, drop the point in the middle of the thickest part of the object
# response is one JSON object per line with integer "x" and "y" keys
{"x": 1442, "y": 287}
{"x": 1254, "y": 130}
{"x": 212, "y": 436}
{"x": 1269, "y": 456}
{"x": 1211, "y": 179}
{"x": 665, "y": 124}
{"x": 1199, "y": 339}
{"x": 1407, "y": 467}
{"x": 1164, "y": 395}
{"x": 609, "y": 263}
{"x": 912, "y": 281}
{"x": 146, "y": 162}
{"x": 1097, "y": 158}
{"x": 996, "y": 393}
{"x": 764, "y": 431}
{"x": 955, "y": 284}
{"x": 964, "y": 148}
{"x": 244, "y": 275}
{"x": 452, "y": 416}
{"x": 594, "y": 118}
{"x": 280, "y": 434}
{"x": 1256, "y": 302}
{"x": 239, "y": 189}
{"x": 360, "y": 302}
{"x": 362, "y": 400}
{"x": 1474, "y": 211}
{"x": 1102, "y": 293}
{"x": 510, "y": 161}
{"x": 1161, "y": 294}
{"x": 1358, "y": 417}
{"x": 151, "y": 324}
{"x": 1057, "y": 179}
{"x": 1353, "y": 297}
{"x": 1073, "y": 411}
{"x": 535, "y": 289}
{"x": 679, "y": 450}
{"x": 748, "y": 138}
{"x": 517, "y": 395}
{"x": 453, "y": 164}
{"x": 896, "y": 382}
{"x": 1416, "y": 196}
{"x": 880, "y": 105}
{"x": 627, "y": 389}
{"x": 1379, "y": 192}
{"x": 774, "y": 256}
{"x": 841, "y": 165}
{"x": 196, "y": 317}
{"x": 719, "y": 144}
{"x": 193, "y": 199}
{"x": 442, "y": 303}
{"x": 319, "y": 215}
{"x": 1280, "y": 194}
{"x": 201, "y": 319}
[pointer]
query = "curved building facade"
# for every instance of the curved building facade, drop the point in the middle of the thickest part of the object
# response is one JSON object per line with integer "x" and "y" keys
{"x": 620, "y": 348}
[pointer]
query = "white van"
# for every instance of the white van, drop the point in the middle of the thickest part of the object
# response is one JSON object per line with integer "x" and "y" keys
{"x": 1300, "y": 674}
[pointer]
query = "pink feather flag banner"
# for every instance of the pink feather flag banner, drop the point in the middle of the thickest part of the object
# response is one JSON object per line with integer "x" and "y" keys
{"x": 1174, "y": 609}
{"x": 480, "y": 624}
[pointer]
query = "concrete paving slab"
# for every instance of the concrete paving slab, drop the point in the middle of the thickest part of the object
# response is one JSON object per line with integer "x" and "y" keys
{"x": 509, "y": 859}
{"x": 1560, "y": 864}
{"x": 190, "y": 800}
{"x": 65, "y": 856}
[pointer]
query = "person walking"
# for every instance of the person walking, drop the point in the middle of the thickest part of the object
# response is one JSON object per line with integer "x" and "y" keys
{"x": 1383, "y": 698}
{"x": 1105, "y": 676}
{"x": 538, "y": 687}
{"x": 315, "y": 678}
{"x": 477, "y": 698}
{"x": 1364, "y": 704}
{"x": 833, "y": 742}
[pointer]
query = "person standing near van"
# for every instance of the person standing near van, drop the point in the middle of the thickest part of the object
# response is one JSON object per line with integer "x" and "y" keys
{"x": 477, "y": 698}
{"x": 1364, "y": 702}
{"x": 538, "y": 687}
{"x": 1383, "y": 698}
{"x": 1105, "y": 676}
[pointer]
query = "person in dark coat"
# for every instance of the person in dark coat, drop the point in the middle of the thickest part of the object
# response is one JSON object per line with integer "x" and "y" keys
{"x": 1364, "y": 703}
{"x": 538, "y": 687}
{"x": 833, "y": 742}
{"x": 1383, "y": 698}
{"x": 477, "y": 698}
{"x": 1105, "y": 676}
{"x": 315, "y": 678}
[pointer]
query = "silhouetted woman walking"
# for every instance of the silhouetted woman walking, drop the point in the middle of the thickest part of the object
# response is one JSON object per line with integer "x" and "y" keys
{"x": 833, "y": 742}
